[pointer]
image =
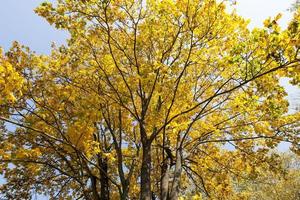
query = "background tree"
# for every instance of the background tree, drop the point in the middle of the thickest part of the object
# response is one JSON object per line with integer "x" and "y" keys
{"x": 145, "y": 100}
{"x": 295, "y": 5}
{"x": 283, "y": 184}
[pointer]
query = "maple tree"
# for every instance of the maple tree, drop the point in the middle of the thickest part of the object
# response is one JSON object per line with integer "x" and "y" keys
{"x": 149, "y": 99}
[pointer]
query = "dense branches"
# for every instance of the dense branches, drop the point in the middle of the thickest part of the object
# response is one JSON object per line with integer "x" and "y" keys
{"x": 149, "y": 99}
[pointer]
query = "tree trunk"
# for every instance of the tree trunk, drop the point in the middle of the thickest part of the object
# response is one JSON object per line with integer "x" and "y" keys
{"x": 165, "y": 179}
{"x": 177, "y": 172}
{"x": 146, "y": 172}
{"x": 124, "y": 181}
{"x": 124, "y": 194}
{"x": 104, "y": 195}
{"x": 94, "y": 188}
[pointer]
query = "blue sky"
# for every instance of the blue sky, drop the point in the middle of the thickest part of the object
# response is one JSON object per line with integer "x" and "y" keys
{"x": 259, "y": 10}
{"x": 19, "y": 22}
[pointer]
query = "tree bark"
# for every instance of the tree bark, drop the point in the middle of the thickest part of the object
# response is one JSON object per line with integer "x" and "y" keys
{"x": 177, "y": 176}
{"x": 94, "y": 188}
{"x": 146, "y": 172}
{"x": 165, "y": 179}
{"x": 104, "y": 181}
{"x": 177, "y": 172}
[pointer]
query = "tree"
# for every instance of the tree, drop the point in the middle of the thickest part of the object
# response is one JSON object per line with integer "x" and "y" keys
{"x": 295, "y": 5}
{"x": 144, "y": 100}
{"x": 281, "y": 185}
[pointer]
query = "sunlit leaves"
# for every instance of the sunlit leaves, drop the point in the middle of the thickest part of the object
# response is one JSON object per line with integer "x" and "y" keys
{"x": 186, "y": 79}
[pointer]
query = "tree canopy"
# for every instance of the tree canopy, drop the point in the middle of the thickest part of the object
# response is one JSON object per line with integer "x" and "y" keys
{"x": 169, "y": 99}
